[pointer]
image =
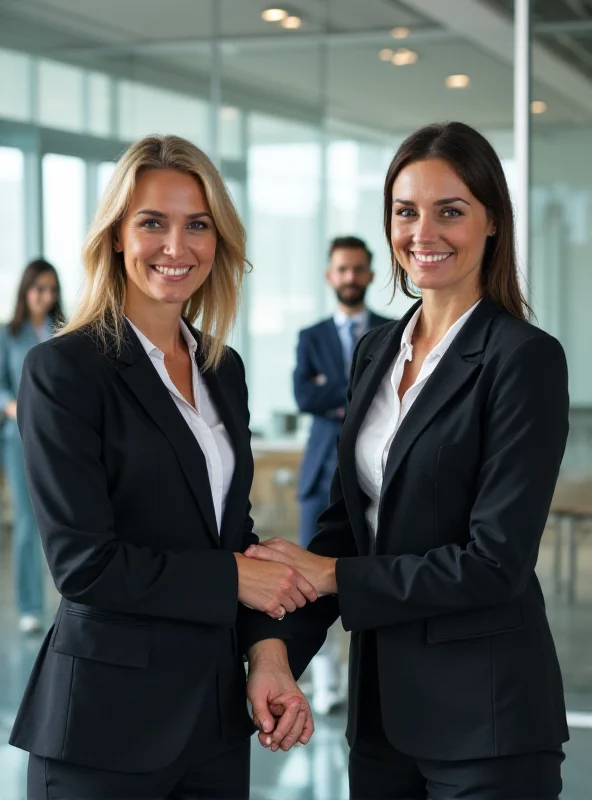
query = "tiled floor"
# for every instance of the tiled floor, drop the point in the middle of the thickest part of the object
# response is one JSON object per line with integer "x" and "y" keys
{"x": 319, "y": 771}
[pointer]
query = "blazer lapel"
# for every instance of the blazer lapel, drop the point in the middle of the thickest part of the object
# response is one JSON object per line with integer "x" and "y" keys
{"x": 375, "y": 366}
{"x": 232, "y": 525}
{"x": 139, "y": 374}
{"x": 460, "y": 364}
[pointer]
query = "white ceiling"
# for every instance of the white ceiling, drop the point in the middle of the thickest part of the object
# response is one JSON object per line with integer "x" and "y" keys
{"x": 360, "y": 88}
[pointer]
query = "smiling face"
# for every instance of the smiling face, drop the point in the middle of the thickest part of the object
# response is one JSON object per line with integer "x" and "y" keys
{"x": 167, "y": 237}
{"x": 438, "y": 229}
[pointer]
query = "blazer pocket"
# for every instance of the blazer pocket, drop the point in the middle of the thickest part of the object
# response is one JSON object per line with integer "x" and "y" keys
{"x": 99, "y": 637}
{"x": 477, "y": 623}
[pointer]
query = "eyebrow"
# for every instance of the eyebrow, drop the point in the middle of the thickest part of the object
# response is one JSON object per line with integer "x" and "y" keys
{"x": 159, "y": 215}
{"x": 444, "y": 202}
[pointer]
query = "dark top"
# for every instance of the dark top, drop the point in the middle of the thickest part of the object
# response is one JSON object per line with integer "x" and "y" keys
{"x": 466, "y": 663}
{"x": 149, "y": 619}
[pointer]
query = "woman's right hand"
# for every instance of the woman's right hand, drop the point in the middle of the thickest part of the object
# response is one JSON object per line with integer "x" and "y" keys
{"x": 272, "y": 587}
{"x": 10, "y": 409}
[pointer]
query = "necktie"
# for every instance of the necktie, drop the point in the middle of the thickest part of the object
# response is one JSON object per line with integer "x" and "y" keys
{"x": 351, "y": 342}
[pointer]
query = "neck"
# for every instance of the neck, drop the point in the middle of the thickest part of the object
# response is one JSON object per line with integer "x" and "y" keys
{"x": 351, "y": 311}
{"x": 439, "y": 312}
{"x": 159, "y": 322}
{"x": 37, "y": 320}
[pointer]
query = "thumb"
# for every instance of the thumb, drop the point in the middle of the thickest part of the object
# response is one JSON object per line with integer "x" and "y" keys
{"x": 262, "y": 553}
{"x": 262, "y": 716}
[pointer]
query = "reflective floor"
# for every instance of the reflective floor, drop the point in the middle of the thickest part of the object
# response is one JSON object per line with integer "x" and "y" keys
{"x": 319, "y": 771}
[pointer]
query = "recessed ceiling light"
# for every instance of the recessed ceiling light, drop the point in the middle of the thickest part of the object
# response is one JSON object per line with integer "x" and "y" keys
{"x": 274, "y": 15}
{"x": 386, "y": 54}
{"x": 400, "y": 33}
{"x": 538, "y": 107}
{"x": 292, "y": 23}
{"x": 457, "y": 81}
{"x": 403, "y": 57}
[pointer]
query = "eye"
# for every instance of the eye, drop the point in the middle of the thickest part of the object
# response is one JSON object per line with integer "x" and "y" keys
{"x": 151, "y": 224}
{"x": 451, "y": 212}
{"x": 198, "y": 225}
{"x": 405, "y": 212}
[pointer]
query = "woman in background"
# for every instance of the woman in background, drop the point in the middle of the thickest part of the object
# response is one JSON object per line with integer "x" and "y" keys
{"x": 37, "y": 311}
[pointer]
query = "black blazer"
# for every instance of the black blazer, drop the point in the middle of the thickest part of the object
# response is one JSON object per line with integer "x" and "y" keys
{"x": 320, "y": 352}
{"x": 467, "y": 666}
{"x": 148, "y": 620}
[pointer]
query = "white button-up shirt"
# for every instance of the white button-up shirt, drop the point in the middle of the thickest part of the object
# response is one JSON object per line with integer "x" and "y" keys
{"x": 387, "y": 412}
{"x": 204, "y": 420}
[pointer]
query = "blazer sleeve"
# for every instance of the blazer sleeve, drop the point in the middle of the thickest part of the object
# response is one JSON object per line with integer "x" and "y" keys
{"x": 313, "y": 398}
{"x": 524, "y": 436}
{"x": 60, "y": 419}
{"x": 6, "y": 389}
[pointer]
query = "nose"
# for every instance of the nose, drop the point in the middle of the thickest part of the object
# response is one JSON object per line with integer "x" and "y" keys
{"x": 425, "y": 230}
{"x": 174, "y": 242}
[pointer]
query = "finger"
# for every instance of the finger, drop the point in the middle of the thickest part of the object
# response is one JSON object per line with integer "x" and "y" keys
{"x": 278, "y": 544}
{"x": 308, "y": 729}
{"x": 285, "y": 723}
{"x": 265, "y": 739}
{"x": 306, "y": 587}
{"x": 295, "y": 732}
{"x": 289, "y": 603}
{"x": 262, "y": 716}
{"x": 262, "y": 553}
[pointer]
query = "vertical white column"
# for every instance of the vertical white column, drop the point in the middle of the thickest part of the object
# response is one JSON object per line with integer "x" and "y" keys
{"x": 215, "y": 81}
{"x": 323, "y": 226}
{"x": 522, "y": 81}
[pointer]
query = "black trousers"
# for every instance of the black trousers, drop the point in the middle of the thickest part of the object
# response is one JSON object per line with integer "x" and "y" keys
{"x": 208, "y": 769}
{"x": 378, "y": 771}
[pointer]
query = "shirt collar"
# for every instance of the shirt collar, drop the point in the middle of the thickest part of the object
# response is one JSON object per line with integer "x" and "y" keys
{"x": 153, "y": 350}
{"x": 340, "y": 318}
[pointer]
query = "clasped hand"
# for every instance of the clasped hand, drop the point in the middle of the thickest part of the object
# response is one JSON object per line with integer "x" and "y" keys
{"x": 319, "y": 571}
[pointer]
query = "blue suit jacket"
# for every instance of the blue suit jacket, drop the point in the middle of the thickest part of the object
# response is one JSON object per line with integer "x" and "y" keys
{"x": 320, "y": 353}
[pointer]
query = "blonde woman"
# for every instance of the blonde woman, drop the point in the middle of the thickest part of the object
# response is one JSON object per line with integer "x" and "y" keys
{"x": 136, "y": 439}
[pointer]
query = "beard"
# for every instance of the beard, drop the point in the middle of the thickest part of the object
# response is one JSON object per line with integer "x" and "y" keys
{"x": 352, "y": 298}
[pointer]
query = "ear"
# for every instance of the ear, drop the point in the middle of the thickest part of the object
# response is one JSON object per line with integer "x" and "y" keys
{"x": 491, "y": 227}
{"x": 371, "y": 278}
{"x": 117, "y": 246}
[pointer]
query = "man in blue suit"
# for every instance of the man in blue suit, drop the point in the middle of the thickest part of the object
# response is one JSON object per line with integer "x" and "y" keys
{"x": 320, "y": 386}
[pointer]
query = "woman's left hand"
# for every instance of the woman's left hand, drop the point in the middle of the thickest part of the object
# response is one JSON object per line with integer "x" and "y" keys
{"x": 319, "y": 570}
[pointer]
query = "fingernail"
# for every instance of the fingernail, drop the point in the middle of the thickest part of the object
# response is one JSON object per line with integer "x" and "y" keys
{"x": 304, "y": 740}
{"x": 266, "y": 726}
{"x": 268, "y": 741}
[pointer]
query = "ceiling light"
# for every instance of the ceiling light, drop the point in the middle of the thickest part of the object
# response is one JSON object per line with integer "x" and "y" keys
{"x": 274, "y": 15}
{"x": 538, "y": 107}
{"x": 386, "y": 54}
{"x": 400, "y": 33}
{"x": 292, "y": 23}
{"x": 457, "y": 81}
{"x": 403, "y": 57}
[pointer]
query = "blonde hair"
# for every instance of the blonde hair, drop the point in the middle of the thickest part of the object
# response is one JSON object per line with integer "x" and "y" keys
{"x": 103, "y": 299}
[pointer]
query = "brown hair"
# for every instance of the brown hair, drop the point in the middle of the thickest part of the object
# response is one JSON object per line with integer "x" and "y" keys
{"x": 350, "y": 243}
{"x": 477, "y": 164}
{"x": 216, "y": 302}
{"x": 21, "y": 311}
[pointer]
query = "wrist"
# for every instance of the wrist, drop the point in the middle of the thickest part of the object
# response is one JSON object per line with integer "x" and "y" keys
{"x": 268, "y": 651}
{"x": 329, "y": 579}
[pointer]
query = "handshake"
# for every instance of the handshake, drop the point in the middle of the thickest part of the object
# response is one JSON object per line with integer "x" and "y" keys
{"x": 277, "y": 577}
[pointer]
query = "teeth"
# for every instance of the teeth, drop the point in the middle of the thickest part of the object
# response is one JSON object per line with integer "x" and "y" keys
{"x": 172, "y": 270}
{"x": 431, "y": 259}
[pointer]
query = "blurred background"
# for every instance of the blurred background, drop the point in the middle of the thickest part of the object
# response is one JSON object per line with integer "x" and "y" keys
{"x": 302, "y": 107}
